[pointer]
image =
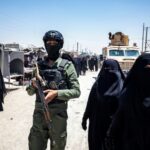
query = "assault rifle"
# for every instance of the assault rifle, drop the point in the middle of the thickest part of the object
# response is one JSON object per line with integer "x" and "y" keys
{"x": 40, "y": 83}
{"x": 45, "y": 106}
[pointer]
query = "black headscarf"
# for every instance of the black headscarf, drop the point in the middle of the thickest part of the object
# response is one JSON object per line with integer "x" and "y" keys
{"x": 109, "y": 85}
{"x": 140, "y": 75}
{"x": 110, "y": 79}
{"x": 131, "y": 124}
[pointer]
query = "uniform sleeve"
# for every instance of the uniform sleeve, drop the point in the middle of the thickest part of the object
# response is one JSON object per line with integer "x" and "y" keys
{"x": 74, "y": 87}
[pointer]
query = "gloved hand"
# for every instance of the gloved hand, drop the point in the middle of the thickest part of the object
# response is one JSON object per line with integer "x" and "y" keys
{"x": 84, "y": 122}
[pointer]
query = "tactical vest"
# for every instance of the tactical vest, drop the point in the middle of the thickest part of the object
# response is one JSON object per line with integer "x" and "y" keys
{"x": 54, "y": 77}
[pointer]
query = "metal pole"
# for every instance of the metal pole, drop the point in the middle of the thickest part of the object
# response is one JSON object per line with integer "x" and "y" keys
{"x": 77, "y": 46}
{"x": 9, "y": 66}
{"x": 146, "y": 38}
{"x": 143, "y": 37}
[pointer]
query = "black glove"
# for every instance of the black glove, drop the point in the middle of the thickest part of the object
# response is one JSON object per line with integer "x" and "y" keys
{"x": 84, "y": 122}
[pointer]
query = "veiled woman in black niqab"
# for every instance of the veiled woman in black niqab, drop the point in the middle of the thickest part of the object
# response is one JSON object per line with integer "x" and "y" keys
{"x": 130, "y": 128}
{"x": 102, "y": 103}
{"x": 2, "y": 91}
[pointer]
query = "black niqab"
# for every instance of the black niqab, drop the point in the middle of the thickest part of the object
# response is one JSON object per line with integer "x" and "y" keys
{"x": 140, "y": 75}
{"x": 53, "y": 51}
{"x": 110, "y": 79}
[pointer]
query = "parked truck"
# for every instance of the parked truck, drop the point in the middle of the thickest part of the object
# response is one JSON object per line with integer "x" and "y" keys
{"x": 120, "y": 50}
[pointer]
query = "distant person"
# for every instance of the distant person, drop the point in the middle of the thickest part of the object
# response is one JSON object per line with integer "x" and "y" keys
{"x": 102, "y": 103}
{"x": 77, "y": 61}
{"x": 2, "y": 91}
{"x": 95, "y": 63}
{"x": 80, "y": 65}
{"x": 84, "y": 65}
{"x": 91, "y": 64}
{"x": 130, "y": 128}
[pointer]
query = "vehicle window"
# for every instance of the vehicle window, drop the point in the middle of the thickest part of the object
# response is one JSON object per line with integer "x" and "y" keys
{"x": 132, "y": 53}
{"x": 115, "y": 52}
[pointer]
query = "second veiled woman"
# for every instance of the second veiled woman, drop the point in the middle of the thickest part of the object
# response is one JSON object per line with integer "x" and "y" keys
{"x": 130, "y": 128}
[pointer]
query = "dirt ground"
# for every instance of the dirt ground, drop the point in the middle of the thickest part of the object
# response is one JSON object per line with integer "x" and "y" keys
{"x": 16, "y": 119}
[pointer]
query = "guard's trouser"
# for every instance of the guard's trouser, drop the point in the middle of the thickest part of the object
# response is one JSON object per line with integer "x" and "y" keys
{"x": 39, "y": 133}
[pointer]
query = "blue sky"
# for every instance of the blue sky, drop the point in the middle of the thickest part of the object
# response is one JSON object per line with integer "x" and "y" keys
{"x": 84, "y": 21}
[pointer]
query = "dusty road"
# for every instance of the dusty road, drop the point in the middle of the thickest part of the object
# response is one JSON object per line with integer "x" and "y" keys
{"x": 16, "y": 119}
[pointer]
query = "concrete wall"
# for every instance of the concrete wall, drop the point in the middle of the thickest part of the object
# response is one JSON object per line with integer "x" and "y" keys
{"x": 12, "y": 63}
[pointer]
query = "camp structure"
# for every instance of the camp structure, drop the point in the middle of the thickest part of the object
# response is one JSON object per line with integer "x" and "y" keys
{"x": 11, "y": 61}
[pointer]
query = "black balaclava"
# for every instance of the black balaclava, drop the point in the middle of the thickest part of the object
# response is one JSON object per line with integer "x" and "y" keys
{"x": 53, "y": 51}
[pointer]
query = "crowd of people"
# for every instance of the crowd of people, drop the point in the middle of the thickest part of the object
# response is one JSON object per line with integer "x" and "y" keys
{"x": 81, "y": 63}
{"x": 118, "y": 107}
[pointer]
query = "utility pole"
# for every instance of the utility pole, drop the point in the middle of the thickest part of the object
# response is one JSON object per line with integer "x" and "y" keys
{"x": 9, "y": 65}
{"x": 145, "y": 41}
{"x": 143, "y": 37}
{"x": 146, "y": 35}
{"x": 77, "y": 46}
